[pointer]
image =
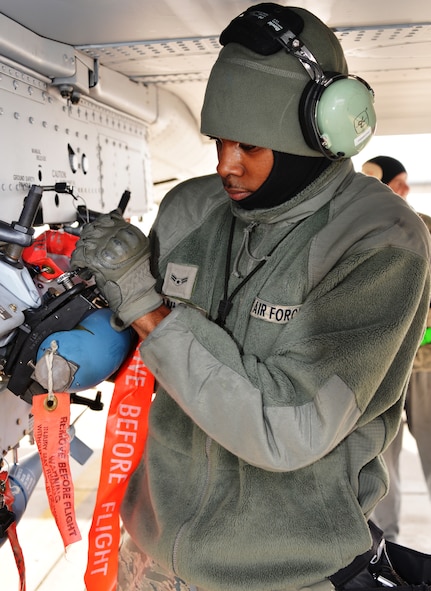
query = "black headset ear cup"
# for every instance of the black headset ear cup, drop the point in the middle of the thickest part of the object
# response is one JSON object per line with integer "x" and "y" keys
{"x": 307, "y": 114}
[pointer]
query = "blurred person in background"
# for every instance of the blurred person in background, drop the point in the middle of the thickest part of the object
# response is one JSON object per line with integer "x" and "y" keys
{"x": 390, "y": 171}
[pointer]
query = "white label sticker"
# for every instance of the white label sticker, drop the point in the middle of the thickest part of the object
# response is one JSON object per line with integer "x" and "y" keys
{"x": 273, "y": 312}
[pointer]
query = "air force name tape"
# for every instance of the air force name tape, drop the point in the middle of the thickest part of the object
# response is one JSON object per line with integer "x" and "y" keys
{"x": 273, "y": 312}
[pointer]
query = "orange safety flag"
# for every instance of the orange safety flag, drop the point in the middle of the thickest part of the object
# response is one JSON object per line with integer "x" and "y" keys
{"x": 51, "y": 424}
{"x": 126, "y": 431}
{"x": 12, "y": 533}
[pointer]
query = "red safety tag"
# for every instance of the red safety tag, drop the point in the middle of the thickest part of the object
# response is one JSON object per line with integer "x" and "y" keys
{"x": 12, "y": 533}
{"x": 51, "y": 252}
{"x": 126, "y": 431}
{"x": 51, "y": 424}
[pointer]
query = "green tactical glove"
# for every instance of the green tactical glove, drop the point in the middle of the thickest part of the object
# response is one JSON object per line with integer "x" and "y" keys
{"x": 117, "y": 254}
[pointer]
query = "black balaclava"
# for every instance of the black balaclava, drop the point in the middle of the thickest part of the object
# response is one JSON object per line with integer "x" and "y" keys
{"x": 290, "y": 174}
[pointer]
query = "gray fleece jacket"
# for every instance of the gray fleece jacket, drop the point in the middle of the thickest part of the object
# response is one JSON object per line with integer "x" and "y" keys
{"x": 262, "y": 460}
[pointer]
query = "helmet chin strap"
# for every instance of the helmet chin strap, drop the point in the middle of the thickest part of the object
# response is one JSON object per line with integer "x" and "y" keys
{"x": 290, "y": 174}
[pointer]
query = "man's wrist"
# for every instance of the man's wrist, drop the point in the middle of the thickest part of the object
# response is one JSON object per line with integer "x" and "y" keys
{"x": 148, "y": 322}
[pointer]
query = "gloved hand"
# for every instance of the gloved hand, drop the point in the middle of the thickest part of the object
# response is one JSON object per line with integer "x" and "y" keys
{"x": 117, "y": 254}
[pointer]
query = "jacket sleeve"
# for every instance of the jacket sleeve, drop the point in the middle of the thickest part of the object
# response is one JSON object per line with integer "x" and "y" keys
{"x": 342, "y": 361}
